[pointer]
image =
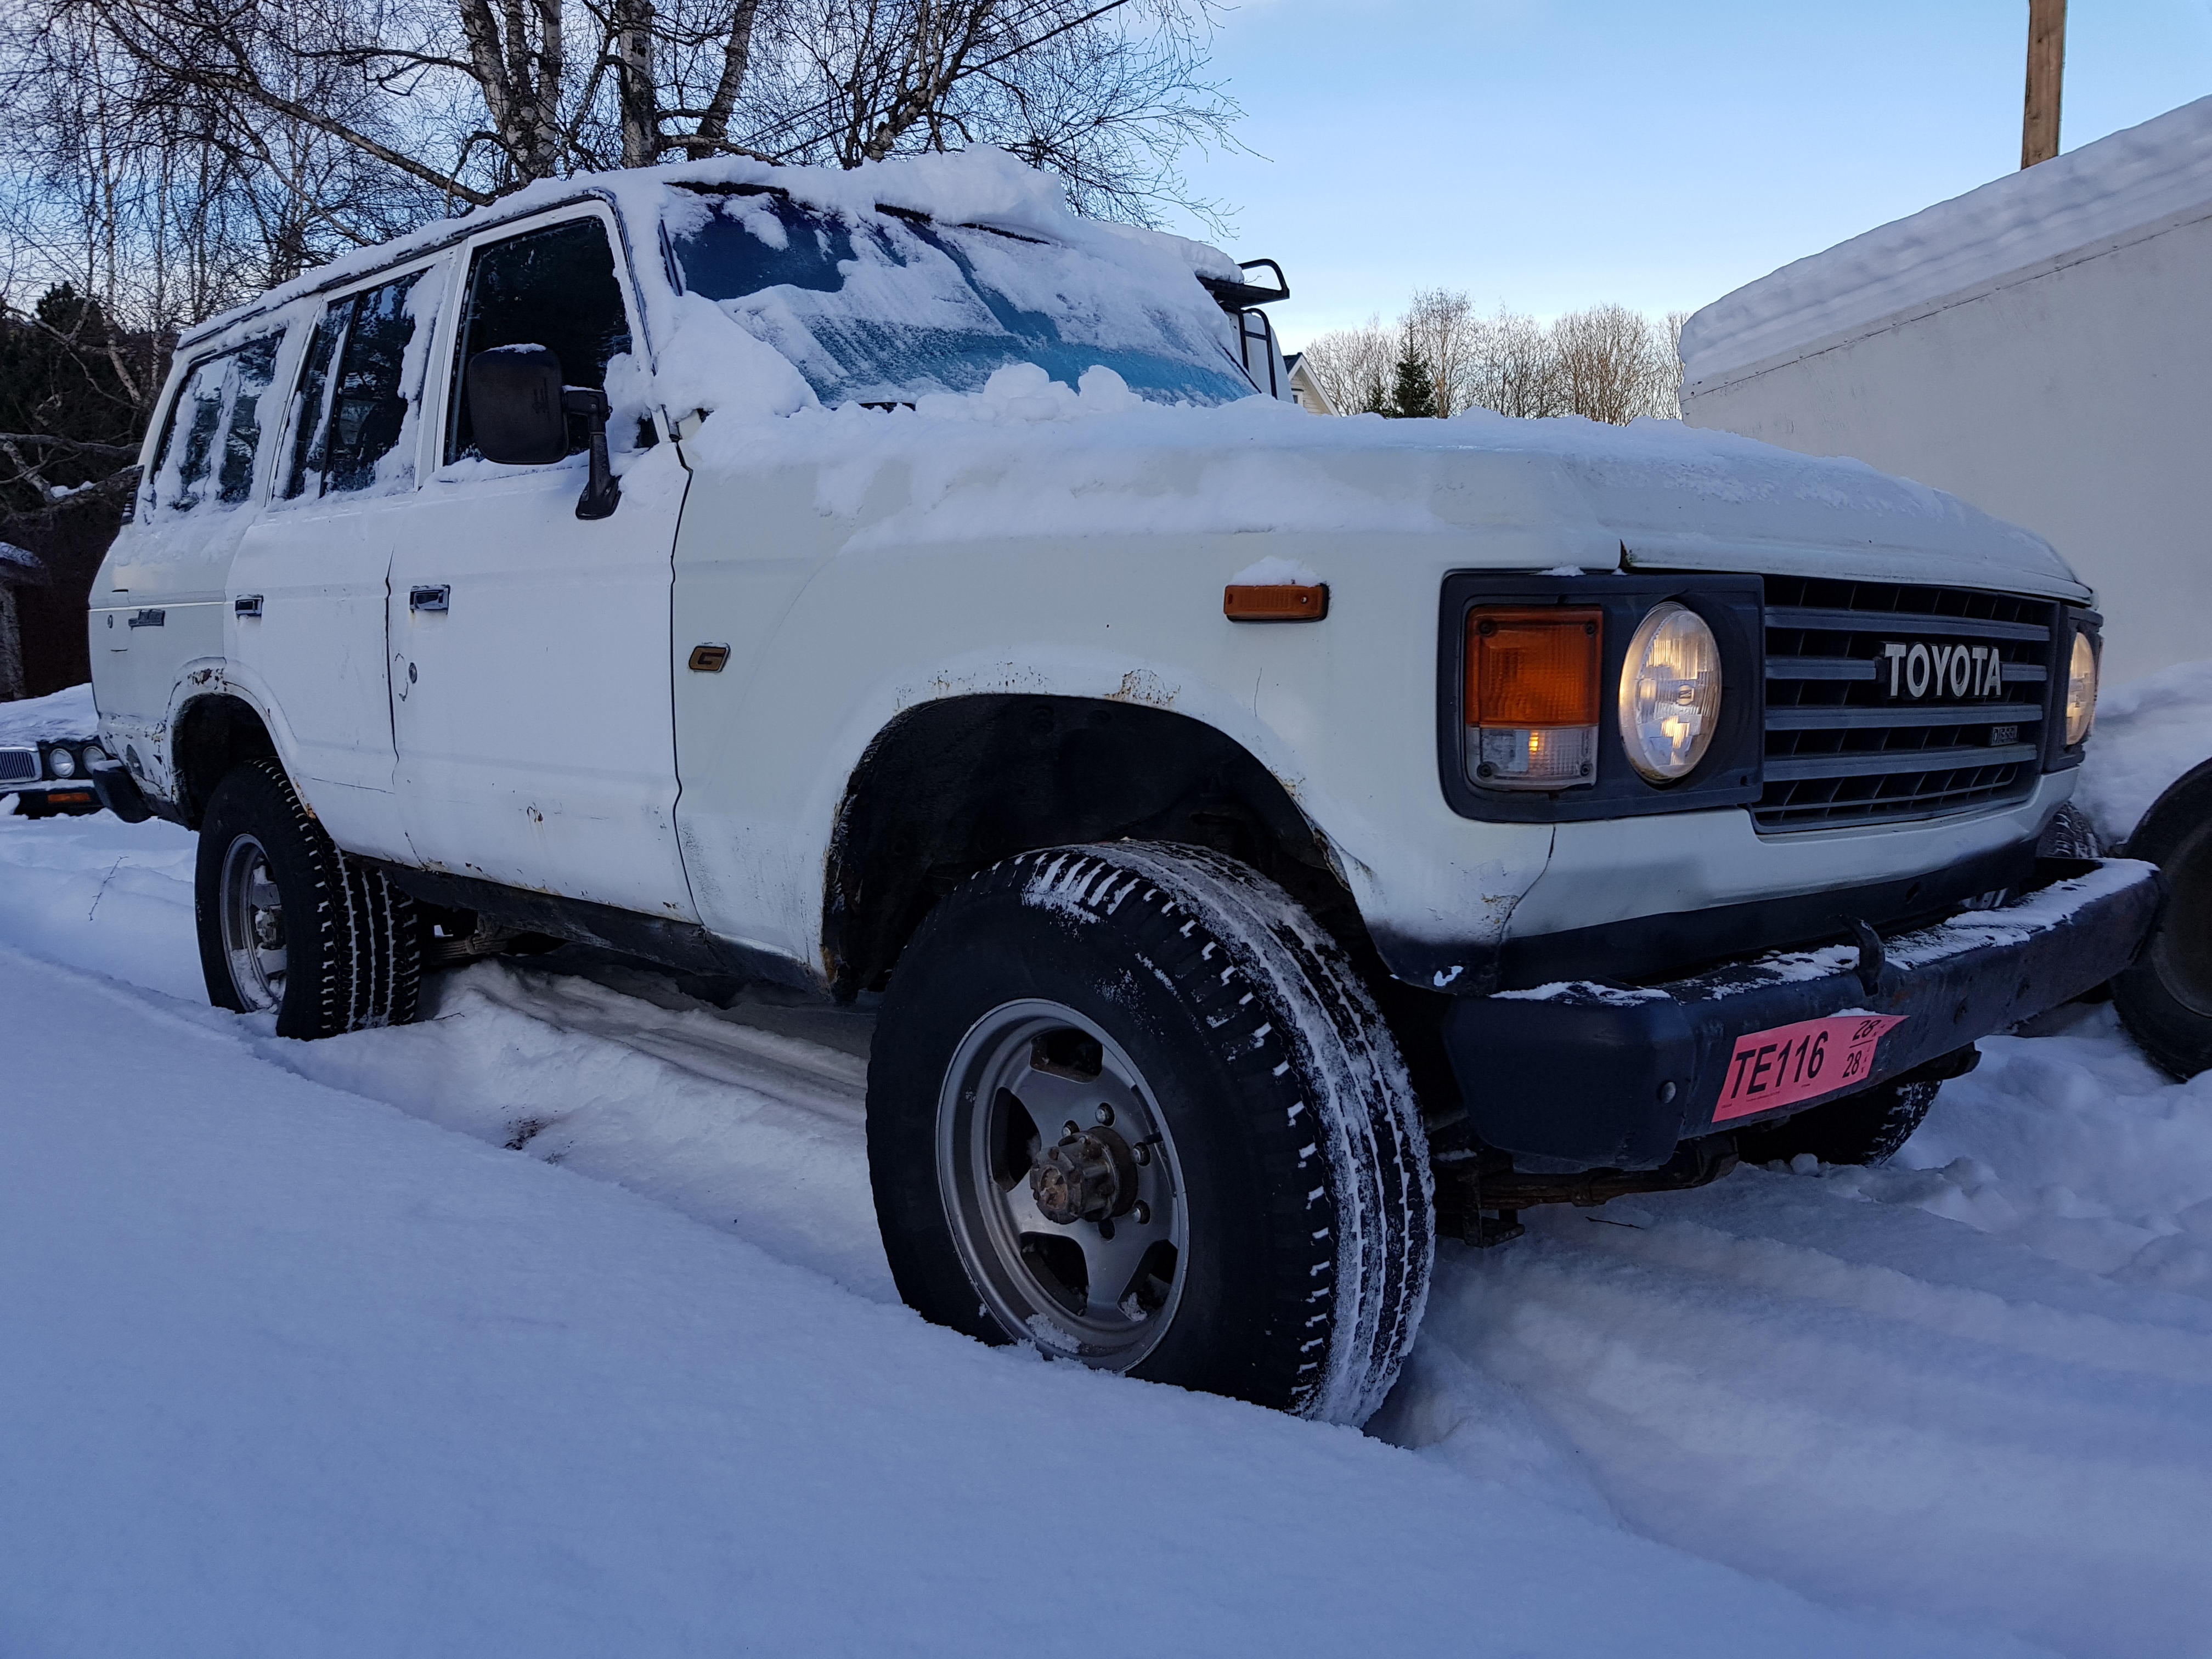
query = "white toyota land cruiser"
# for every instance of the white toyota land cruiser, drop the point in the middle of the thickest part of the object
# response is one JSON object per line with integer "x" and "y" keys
{"x": 1268, "y": 837}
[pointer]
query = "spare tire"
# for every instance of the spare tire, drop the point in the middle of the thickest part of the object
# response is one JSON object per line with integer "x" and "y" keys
{"x": 2165, "y": 1000}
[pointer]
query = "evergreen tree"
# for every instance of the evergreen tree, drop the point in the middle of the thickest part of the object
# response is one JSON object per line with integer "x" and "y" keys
{"x": 1414, "y": 396}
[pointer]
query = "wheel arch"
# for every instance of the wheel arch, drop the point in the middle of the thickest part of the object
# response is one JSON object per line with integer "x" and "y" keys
{"x": 211, "y": 734}
{"x": 950, "y": 786}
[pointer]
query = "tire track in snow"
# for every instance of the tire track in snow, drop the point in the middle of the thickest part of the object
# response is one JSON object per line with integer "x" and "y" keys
{"x": 746, "y": 1129}
{"x": 1873, "y": 1404}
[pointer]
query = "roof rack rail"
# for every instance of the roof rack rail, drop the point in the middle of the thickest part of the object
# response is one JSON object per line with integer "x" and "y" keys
{"x": 1235, "y": 297}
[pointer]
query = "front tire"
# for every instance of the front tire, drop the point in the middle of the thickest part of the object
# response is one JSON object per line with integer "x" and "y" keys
{"x": 288, "y": 925}
{"x": 1864, "y": 1128}
{"x": 1868, "y": 1128}
{"x": 1130, "y": 1103}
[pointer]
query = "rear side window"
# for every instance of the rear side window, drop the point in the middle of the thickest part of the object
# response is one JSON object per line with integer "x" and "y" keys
{"x": 361, "y": 392}
{"x": 554, "y": 288}
{"x": 215, "y": 429}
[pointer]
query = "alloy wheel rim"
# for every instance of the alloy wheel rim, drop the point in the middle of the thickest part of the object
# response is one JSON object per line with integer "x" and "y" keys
{"x": 1041, "y": 1110}
{"x": 253, "y": 912}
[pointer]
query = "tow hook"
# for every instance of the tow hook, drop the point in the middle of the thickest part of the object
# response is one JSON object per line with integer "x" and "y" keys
{"x": 1087, "y": 1175}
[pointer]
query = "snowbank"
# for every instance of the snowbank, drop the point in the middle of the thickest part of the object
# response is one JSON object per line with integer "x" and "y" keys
{"x": 309, "y": 1376}
{"x": 67, "y": 714}
{"x": 2118, "y": 190}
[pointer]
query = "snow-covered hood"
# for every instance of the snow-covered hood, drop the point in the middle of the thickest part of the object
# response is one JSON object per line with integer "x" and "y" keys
{"x": 1029, "y": 456}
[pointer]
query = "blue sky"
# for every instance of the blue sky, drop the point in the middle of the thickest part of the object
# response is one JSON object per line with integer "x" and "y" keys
{"x": 1553, "y": 153}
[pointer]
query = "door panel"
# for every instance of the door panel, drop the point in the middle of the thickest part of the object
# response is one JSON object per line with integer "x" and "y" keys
{"x": 535, "y": 737}
{"x": 530, "y": 673}
{"x": 316, "y": 567}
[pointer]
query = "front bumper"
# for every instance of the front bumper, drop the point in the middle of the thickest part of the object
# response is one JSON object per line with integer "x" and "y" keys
{"x": 1601, "y": 1076}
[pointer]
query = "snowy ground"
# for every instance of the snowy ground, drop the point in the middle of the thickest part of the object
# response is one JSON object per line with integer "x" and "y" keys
{"x": 284, "y": 1371}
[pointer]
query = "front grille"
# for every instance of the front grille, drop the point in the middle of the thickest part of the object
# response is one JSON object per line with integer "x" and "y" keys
{"x": 1842, "y": 749}
{"x": 18, "y": 765}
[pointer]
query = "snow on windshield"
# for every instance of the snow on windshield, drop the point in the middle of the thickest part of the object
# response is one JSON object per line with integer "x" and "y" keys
{"x": 888, "y": 308}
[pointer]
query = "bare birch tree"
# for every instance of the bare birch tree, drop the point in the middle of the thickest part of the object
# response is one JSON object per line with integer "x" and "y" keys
{"x": 1355, "y": 366}
{"x": 1440, "y": 330}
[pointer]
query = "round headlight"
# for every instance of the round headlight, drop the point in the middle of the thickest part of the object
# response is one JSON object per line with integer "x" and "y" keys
{"x": 61, "y": 761}
{"x": 2081, "y": 691}
{"x": 1670, "y": 693}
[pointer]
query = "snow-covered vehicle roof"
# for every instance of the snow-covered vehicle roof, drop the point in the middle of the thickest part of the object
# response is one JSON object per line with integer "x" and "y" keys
{"x": 980, "y": 190}
{"x": 2121, "y": 189}
{"x": 1052, "y": 374}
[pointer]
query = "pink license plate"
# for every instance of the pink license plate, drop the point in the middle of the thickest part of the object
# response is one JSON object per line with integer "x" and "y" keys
{"x": 1788, "y": 1064}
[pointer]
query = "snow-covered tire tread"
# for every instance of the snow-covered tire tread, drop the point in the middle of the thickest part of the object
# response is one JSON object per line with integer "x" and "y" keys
{"x": 1332, "y": 1131}
{"x": 356, "y": 938}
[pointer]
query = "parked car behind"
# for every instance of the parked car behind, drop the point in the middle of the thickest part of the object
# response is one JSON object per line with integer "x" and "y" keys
{"x": 48, "y": 748}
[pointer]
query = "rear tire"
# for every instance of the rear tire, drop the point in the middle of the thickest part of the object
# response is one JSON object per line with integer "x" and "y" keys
{"x": 288, "y": 924}
{"x": 1284, "y": 1233}
{"x": 2165, "y": 1000}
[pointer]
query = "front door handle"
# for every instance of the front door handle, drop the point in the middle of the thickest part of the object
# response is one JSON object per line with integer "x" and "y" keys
{"x": 428, "y": 599}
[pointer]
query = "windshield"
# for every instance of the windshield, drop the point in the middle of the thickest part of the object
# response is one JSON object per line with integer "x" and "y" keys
{"x": 890, "y": 309}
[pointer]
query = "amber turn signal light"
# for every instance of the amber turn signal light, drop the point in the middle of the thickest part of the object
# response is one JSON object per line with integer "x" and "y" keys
{"x": 1532, "y": 696}
{"x": 1287, "y": 602}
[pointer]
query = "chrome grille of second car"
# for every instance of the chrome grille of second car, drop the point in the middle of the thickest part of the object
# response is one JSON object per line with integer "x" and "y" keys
{"x": 1889, "y": 701}
{"x": 18, "y": 765}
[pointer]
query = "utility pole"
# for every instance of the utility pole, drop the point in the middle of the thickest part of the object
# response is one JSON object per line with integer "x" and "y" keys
{"x": 2046, "y": 70}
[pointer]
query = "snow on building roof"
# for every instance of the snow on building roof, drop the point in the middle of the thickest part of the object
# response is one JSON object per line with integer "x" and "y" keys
{"x": 2118, "y": 190}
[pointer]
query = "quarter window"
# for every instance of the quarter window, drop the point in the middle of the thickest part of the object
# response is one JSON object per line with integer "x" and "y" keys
{"x": 215, "y": 429}
{"x": 360, "y": 390}
{"x": 554, "y": 288}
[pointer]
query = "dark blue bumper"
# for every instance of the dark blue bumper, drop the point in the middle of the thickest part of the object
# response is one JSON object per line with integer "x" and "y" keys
{"x": 1614, "y": 1077}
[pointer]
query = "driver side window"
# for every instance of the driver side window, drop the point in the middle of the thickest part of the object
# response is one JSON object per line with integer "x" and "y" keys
{"x": 554, "y": 288}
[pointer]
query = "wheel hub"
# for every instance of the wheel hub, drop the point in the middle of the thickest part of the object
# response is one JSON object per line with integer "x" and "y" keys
{"x": 251, "y": 917}
{"x": 1086, "y": 1175}
{"x": 1061, "y": 1185}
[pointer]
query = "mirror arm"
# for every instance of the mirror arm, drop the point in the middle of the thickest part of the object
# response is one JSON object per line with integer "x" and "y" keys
{"x": 603, "y": 493}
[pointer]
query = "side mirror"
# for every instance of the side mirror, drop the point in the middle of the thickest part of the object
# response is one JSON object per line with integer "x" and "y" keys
{"x": 515, "y": 406}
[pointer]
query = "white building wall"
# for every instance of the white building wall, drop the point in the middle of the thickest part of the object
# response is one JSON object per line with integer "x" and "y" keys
{"x": 2076, "y": 400}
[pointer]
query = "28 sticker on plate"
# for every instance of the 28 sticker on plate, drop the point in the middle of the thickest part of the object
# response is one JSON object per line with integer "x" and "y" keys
{"x": 1784, "y": 1065}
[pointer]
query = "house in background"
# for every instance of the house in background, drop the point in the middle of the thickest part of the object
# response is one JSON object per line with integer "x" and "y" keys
{"x": 2041, "y": 346}
{"x": 20, "y": 569}
{"x": 1305, "y": 391}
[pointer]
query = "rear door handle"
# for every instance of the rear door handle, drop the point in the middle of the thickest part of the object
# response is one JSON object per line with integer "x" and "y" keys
{"x": 246, "y": 605}
{"x": 428, "y": 599}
